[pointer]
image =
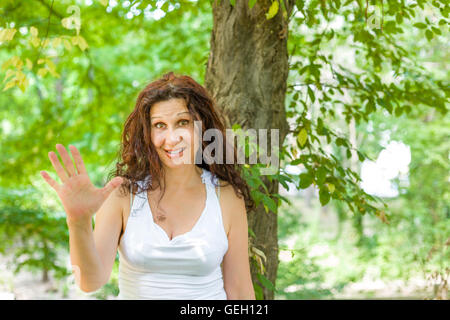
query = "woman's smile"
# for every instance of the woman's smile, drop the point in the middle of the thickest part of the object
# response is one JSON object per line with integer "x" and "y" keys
{"x": 178, "y": 153}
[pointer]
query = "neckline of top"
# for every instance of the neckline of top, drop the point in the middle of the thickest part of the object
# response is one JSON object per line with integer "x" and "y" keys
{"x": 170, "y": 241}
{"x": 205, "y": 176}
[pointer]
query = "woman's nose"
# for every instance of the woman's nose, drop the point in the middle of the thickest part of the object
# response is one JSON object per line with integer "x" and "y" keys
{"x": 174, "y": 137}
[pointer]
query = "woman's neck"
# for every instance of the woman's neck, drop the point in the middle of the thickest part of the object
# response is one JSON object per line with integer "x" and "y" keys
{"x": 181, "y": 178}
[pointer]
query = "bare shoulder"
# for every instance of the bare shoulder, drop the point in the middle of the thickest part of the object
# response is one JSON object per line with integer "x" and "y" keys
{"x": 123, "y": 200}
{"x": 233, "y": 207}
{"x": 121, "y": 196}
{"x": 117, "y": 201}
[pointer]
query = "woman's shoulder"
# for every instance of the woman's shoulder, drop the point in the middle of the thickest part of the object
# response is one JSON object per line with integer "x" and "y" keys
{"x": 228, "y": 196}
{"x": 122, "y": 192}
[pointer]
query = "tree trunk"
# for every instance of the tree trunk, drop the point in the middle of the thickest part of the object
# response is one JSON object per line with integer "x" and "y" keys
{"x": 246, "y": 74}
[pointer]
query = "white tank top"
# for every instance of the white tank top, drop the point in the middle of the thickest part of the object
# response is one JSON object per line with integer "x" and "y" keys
{"x": 151, "y": 266}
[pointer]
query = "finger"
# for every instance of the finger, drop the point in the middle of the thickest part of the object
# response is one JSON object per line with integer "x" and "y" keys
{"x": 66, "y": 159}
{"x": 62, "y": 174}
{"x": 78, "y": 159}
{"x": 50, "y": 181}
{"x": 110, "y": 186}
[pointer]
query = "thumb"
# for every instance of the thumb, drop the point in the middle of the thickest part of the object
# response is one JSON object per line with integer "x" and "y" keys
{"x": 110, "y": 186}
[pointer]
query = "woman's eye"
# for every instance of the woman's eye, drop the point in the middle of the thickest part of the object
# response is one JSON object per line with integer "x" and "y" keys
{"x": 160, "y": 125}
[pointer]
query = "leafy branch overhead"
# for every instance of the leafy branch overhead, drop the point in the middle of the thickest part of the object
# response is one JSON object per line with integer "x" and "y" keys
{"x": 71, "y": 72}
{"x": 41, "y": 49}
{"x": 319, "y": 79}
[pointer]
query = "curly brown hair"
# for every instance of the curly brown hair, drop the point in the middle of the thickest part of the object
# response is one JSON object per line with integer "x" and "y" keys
{"x": 138, "y": 158}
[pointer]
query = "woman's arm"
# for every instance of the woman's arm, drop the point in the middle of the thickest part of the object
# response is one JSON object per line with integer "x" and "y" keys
{"x": 93, "y": 252}
{"x": 236, "y": 267}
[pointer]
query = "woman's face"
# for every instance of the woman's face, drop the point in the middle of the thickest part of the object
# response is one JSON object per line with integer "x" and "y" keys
{"x": 172, "y": 129}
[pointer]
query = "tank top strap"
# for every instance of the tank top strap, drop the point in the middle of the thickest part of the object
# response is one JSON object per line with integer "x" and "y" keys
{"x": 215, "y": 211}
{"x": 212, "y": 182}
{"x": 131, "y": 199}
{"x": 209, "y": 178}
{"x": 137, "y": 201}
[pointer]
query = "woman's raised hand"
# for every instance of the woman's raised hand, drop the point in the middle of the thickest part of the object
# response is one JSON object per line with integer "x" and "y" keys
{"x": 79, "y": 197}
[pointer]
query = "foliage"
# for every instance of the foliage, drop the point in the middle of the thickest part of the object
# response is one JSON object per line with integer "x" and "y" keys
{"x": 420, "y": 227}
{"x": 32, "y": 234}
{"x": 90, "y": 100}
{"x": 70, "y": 74}
{"x": 323, "y": 90}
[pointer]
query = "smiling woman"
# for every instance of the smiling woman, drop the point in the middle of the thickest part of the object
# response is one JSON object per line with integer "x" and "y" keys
{"x": 162, "y": 243}
{"x": 177, "y": 236}
{"x": 163, "y": 122}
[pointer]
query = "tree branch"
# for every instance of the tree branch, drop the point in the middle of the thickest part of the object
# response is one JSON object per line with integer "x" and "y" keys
{"x": 46, "y": 33}
{"x": 50, "y": 7}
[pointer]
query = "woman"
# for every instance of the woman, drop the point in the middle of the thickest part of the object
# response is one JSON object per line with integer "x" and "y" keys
{"x": 178, "y": 236}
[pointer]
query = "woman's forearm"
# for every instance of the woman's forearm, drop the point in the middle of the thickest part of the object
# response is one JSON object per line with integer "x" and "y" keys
{"x": 242, "y": 293}
{"x": 87, "y": 265}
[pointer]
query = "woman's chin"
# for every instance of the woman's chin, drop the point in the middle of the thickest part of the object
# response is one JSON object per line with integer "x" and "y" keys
{"x": 176, "y": 163}
{"x": 172, "y": 162}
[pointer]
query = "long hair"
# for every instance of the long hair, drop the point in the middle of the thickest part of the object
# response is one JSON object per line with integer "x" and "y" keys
{"x": 138, "y": 158}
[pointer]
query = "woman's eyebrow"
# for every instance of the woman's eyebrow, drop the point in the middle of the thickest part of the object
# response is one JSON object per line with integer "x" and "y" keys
{"x": 177, "y": 115}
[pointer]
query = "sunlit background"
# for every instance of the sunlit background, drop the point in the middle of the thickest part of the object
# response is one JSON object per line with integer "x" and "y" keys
{"x": 326, "y": 252}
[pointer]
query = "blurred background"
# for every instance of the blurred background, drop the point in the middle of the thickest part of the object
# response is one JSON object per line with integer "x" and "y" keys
{"x": 79, "y": 87}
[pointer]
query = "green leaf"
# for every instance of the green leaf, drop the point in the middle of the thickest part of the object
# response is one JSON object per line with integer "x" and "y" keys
{"x": 265, "y": 282}
{"x": 420, "y": 25}
{"x": 279, "y": 196}
{"x": 436, "y": 30}
{"x": 259, "y": 295}
{"x": 360, "y": 156}
{"x": 305, "y": 180}
{"x": 389, "y": 26}
{"x": 331, "y": 187}
{"x": 251, "y": 3}
{"x": 233, "y": 2}
{"x": 302, "y": 137}
{"x": 429, "y": 34}
{"x": 324, "y": 197}
{"x": 321, "y": 175}
{"x": 257, "y": 196}
{"x": 252, "y": 183}
{"x": 311, "y": 94}
{"x": 272, "y": 10}
{"x": 340, "y": 142}
{"x": 282, "y": 179}
{"x": 348, "y": 153}
{"x": 270, "y": 203}
{"x": 236, "y": 126}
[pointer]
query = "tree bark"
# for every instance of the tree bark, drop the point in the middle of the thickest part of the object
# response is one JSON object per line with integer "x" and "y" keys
{"x": 246, "y": 74}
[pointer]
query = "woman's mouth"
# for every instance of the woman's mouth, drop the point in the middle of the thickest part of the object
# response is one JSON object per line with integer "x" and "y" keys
{"x": 175, "y": 153}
